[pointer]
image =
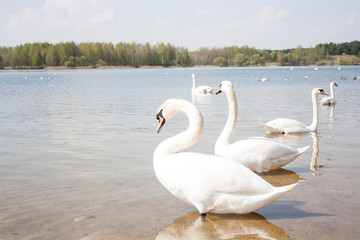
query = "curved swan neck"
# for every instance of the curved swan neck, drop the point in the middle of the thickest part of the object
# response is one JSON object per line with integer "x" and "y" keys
{"x": 186, "y": 138}
{"x": 313, "y": 126}
{"x": 226, "y": 134}
{"x": 194, "y": 80}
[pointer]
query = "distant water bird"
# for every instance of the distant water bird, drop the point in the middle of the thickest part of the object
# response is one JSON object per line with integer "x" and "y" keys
{"x": 211, "y": 183}
{"x": 291, "y": 68}
{"x": 316, "y": 68}
{"x": 200, "y": 89}
{"x": 264, "y": 79}
{"x": 355, "y": 78}
{"x": 339, "y": 68}
{"x": 41, "y": 78}
{"x": 286, "y": 125}
{"x": 343, "y": 78}
{"x": 258, "y": 153}
{"x": 26, "y": 77}
{"x": 306, "y": 76}
{"x": 330, "y": 100}
{"x": 286, "y": 79}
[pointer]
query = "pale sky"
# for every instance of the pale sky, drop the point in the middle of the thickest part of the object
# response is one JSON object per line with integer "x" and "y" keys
{"x": 263, "y": 24}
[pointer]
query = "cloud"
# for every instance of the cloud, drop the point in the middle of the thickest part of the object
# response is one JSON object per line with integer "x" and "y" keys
{"x": 268, "y": 17}
{"x": 102, "y": 17}
{"x": 62, "y": 14}
{"x": 23, "y": 18}
{"x": 208, "y": 12}
{"x": 311, "y": 28}
{"x": 353, "y": 18}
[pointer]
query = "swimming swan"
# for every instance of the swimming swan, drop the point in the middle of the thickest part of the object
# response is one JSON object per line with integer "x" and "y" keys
{"x": 259, "y": 154}
{"x": 330, "y": 100}
{"x": 286, "y": 125}
{"x": 211, "y": 183}
{"x": 201, "y": 89}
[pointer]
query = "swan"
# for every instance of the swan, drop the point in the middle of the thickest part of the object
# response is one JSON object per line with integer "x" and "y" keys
{"x": 201, "y": 89}
{"x": 264, "y": 79}
{"x": 286, "y": 125}
{"x": 209, "y": 182}
{"x": 259, "y": 154}
{"x": 330, "y": 100}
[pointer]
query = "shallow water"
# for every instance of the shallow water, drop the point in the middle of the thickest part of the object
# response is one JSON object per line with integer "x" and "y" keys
{"x": 76, "y": 153}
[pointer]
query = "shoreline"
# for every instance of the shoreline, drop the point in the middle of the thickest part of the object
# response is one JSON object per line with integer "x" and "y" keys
{"x": 128, "y": 67}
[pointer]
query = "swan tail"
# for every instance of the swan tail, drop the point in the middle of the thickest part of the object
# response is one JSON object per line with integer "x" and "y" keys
{"x": 287, "y": 188}
{"x": 270, "y": 129}
{"x": 303, "y": 149}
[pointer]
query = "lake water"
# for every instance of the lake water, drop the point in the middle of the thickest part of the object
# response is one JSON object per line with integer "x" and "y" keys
{"x": 76, "y": 153}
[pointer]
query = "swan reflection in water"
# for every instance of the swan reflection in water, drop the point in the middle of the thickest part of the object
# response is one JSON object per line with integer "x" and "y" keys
{"x": 331, "y": 114}
{"x": 295, "y": 139}
{"x": 315, "y": 154}
{"x": 231, "y": 226}
{"x": 218, "y": 226}
{"x": 201, "y": 98}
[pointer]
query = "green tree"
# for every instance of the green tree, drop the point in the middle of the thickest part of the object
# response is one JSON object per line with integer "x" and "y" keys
{"x": 241, "y": 59}
{"x": 221, "y": 62}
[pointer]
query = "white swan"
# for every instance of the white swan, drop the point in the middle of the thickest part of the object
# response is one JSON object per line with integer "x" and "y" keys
{"x": 286, "y": 125}
{"x": 211, "y": 183}
{"x": 201, "y": 89}
{"x": 330, "y": 100}
{"x": 259, "y": 154}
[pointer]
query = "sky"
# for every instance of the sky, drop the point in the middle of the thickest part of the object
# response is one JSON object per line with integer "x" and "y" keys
{"x": 263, "y": 24}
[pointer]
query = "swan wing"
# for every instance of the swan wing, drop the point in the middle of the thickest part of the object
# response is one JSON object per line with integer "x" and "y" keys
{"x": 262, "y": 154}
{"x": 208, "y": 181}
{"x": 204, "y": 89}
{"x": 284, "y": 125}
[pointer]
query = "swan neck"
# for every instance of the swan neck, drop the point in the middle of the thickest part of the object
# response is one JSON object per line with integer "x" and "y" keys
{"x": 186, "y": 138}
{"x": 332, "y": 91}
{"x": 313, "y": 126}
{"x": 194, "y": 80}
{"x": 227, "y": 132}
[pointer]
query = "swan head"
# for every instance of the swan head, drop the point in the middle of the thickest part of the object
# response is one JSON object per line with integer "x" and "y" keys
{"x": 334, "y": 84}
{"x": 167, "y": 110}
{"x": 225, "y": 86}
{"x": 318, "y": 91}
{"x": 192, "y": 76}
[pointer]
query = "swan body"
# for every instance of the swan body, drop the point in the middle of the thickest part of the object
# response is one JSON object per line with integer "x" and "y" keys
{"x": 286, "y": 125}
{"x": 259, "y": 154}
{"x": 330, "y": 100}
{"x": 211, "y": 183}
{"x": 200, "y": 89}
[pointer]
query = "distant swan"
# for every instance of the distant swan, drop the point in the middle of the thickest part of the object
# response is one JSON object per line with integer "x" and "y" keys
{"x": 264, "y": 79}
{"x": 330, "y": 100}
{"x": 211, "y": 183}
{"x": 201, "y": 89}
{"x": 286, "y": 125}
{"x": 259, "y": 154}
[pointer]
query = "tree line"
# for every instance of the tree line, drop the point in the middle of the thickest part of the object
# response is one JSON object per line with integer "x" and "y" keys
{"x": 70, "y": 54}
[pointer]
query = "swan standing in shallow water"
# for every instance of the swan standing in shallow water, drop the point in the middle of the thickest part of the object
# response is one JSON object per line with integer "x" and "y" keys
{"x": 330, "y": 100}
{"x": 286, "y": 125}
{"x": 211, "y": 183}
{"x": 259, "y": 154}
{"x": 200, "y": 89}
